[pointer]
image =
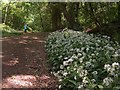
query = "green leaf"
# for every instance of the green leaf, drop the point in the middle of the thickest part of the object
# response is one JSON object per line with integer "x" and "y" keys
{"x": 100, "y": 86}
{"x": 72, "y": 82}
{"x": 94, "y": 85}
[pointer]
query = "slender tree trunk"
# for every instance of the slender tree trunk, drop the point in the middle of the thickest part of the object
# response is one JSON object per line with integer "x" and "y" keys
{"x": 6, "y": 13}
{"x": 0, "y": 16}
{"x": 118, "y": 10}
{"x": 77, "y": 11}
{"x": 6, "y": 10}
{"x": 41, "y": 21}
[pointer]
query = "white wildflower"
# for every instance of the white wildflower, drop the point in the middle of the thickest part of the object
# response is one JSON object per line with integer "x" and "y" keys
{"x": 116, "y": 54}
{"x": 77, "y": 50}
{"x": 60, "y": 57}
{"x": 70, "y": 60}
{"x": 75, "y": 77}
{"x": 88, "y": 64}
{"x": 79, "y": 55}
{"x": 82, "y": 48}
{"x": 107, "y": 81}
{"x": 110, "y": 48}
{"x": 98, "y": 40}
{"x": 83, "y": 73}
{"x": 72, "y": 49}
{"x": 80, "y": 87}
{"x": 93, "y": 80}
{"x": 75, "y": 69}
{"x": 60, "y": 80}
{"x": 65, "y": 63}
{"x": 68, "y": 68}
{"x": 115, "y": 65}
{"x": 65, "y": 74}
{"x": 66, "y": 58}
{"x": 112, "y": 71}
{"x": 74, "y": 56}
{"x": 93, "y": 54}
{"x": 79, "y": 69}
{"x": 61, "y": 66}
{"x": 87, "y": 49}
{"x": 94, "y": 72}
{"x": 59, "y": 86}
{"x": 51, "y": 72}
{"x": 55, "y": 74}
{"x": 85, "y": 80}
{"x": 107, "y": 67}
{"x": 81, "y": 59}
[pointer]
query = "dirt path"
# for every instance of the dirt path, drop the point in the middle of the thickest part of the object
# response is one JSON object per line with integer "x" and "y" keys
{"x": 24, "y": 64}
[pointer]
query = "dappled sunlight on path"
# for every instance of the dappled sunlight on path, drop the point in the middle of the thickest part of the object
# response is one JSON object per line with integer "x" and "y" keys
{"x": 26, "y": 81}
{"x": 24, "y": 63}
{"x": 12, "y": 62}
{"x": 19, "y": 81}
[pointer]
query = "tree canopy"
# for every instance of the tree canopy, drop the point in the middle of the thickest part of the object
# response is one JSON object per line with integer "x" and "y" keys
{"x": 52, "y": 16}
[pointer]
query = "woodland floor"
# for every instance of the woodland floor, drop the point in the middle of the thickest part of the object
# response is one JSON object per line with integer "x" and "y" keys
{"x": 24, "y": 64}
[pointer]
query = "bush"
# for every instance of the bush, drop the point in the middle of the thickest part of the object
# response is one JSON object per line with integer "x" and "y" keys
{"x": 7, "y": 31}
{"x": 84, "y": 61}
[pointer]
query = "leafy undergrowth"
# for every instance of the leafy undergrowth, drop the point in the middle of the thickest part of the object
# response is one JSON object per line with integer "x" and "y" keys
{"x": 7, "y": 31}
{"x": 84, "y": 61}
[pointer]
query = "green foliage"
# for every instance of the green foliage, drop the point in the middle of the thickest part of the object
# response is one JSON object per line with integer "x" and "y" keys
{"x": 36, "y": 15}
{"x": 7, "y": 31}
{"x": 102, "y": 13}
{"x": 84, "y": 61}
{"x": 44, "y": 16}
{"x": 13, "y": 15}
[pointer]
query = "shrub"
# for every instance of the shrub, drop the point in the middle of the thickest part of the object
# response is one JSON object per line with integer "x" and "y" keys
{"x": 7, "y": 31}
{"x": 84, "y": 61}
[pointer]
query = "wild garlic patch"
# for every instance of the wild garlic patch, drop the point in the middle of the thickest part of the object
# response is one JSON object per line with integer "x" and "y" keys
{"x": 84, "y": 61}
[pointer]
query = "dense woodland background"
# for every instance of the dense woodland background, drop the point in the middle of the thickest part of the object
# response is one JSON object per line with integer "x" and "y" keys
{"x": 78, "y": 59}
{"x": 101, "y": 17}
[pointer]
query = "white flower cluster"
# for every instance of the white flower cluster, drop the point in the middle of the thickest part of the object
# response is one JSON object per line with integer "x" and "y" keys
{"x": 112, "y": 69}
{"x": 107, "y": 81}
{"x": 80, "y": 59}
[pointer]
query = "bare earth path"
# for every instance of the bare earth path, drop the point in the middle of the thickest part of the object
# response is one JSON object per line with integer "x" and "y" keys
{"x": 24, "y": 64}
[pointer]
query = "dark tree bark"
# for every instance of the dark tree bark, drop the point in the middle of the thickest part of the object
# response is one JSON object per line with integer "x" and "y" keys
{"x": 74, "y": 10}
{"x": 92, "y": 14}
{"x": 70, "y": 15}
{"x": 56, "y": 16}
{"x": 77, "y": 11}
{"x": 67, "y": 15}
{"x": 118, "y": 10}
{"x": 41, "y": 21}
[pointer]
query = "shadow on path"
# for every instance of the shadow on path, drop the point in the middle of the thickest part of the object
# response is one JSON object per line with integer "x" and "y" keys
{"x": 24, "y": 64}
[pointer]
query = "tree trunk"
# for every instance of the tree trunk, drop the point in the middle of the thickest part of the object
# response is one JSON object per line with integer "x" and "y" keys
{"x": 73, "y": 10}
{"x": 41, "y": 21}
{"x": 118, "y": 11}
{"x": 6, "y": 13}
{"x": 67, "y": 15}
{"x": 77, "y": 11}
{"x": 92, "y": 14}
{"x": 56, "y": 16}
{"x": 70, "y": 16}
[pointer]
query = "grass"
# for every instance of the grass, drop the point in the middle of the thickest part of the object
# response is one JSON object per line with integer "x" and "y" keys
{"x": 6, "y": 31}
